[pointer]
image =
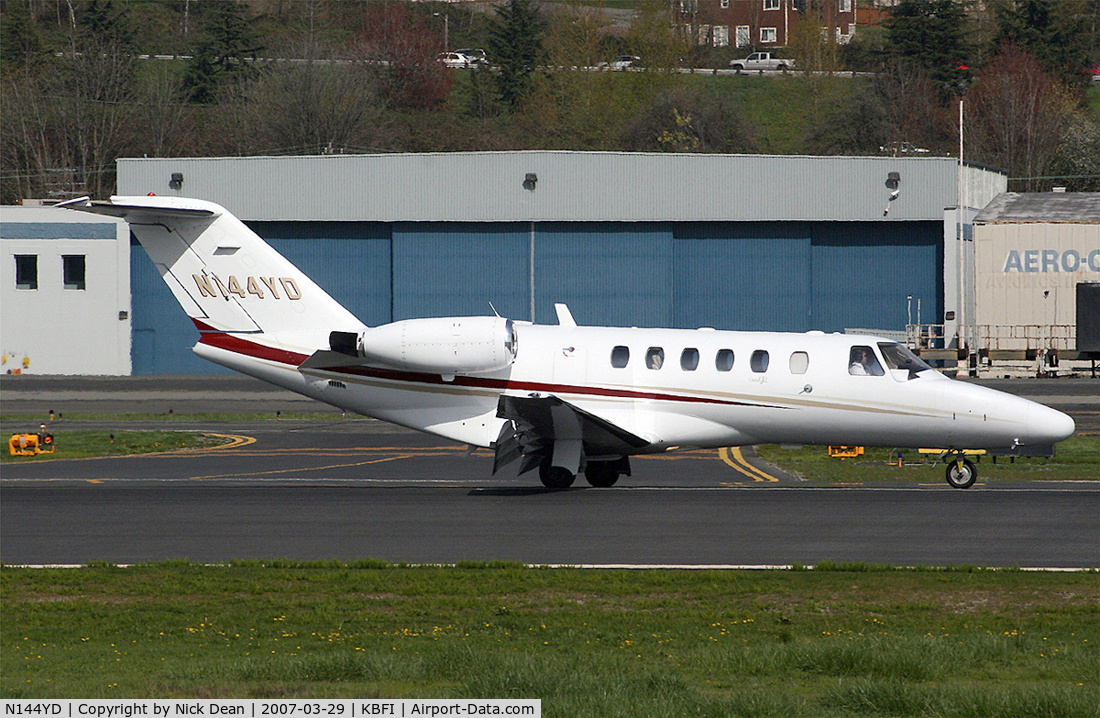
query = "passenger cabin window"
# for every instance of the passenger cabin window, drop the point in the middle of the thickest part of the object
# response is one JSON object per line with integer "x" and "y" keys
{"x": 655, "y": 358}
{"x": 723, "y": 360}
{"x": 863, "y": 362}
{"x": 759, "y": 361}
{"x": 800, "y": 362}
{"x": 26, "y": 271}
{"x": 689, "y": 359}
{"x": 620, "y": 357}
{"x": 72, "y": 266}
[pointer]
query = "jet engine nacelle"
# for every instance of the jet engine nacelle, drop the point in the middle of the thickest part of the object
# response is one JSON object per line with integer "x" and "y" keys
{"x": 446, "y": 346}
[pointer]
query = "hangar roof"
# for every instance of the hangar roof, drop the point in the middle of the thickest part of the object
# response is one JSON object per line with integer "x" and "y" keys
{"x": 568, "y": 186}
{"x": 1042, "y": 207}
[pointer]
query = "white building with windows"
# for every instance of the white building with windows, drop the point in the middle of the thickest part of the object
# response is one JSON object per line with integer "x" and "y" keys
{"x": 65, "y": 292}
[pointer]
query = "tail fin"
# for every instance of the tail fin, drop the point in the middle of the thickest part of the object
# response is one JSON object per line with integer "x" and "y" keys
{"x": 227, "y": 279}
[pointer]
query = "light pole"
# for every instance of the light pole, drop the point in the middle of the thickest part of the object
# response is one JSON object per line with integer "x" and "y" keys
{"x": 446, "y": 29}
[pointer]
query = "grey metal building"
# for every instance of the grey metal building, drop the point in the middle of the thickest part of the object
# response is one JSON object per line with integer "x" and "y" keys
{"x": 728, "y": 241}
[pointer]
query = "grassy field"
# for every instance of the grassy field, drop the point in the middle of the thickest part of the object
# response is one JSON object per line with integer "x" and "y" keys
{"x": 833, "y": 641}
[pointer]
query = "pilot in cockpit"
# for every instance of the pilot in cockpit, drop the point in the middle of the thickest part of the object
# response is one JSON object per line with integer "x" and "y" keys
{"x": 864, "y": 363}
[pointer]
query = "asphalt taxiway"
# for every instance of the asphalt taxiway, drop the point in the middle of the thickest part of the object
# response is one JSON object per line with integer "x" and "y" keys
{"x": 348, "y": 488}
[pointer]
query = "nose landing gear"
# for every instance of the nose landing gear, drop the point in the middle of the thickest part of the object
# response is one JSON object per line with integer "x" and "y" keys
{"x": 961, "y": 472}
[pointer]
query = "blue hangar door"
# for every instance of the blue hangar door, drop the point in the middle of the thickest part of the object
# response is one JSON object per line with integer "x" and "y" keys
{"x": 743, "y": 275}
{"x": 608, "y": 273}
{"x": 803, "y": 276}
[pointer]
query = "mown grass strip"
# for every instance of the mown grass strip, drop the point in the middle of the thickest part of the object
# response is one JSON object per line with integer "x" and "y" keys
{"x": 837, "y": 640}
{"x": 1076, "y": 459}
{"x": 70, "y": 417}
{"x": 81, "y": 444}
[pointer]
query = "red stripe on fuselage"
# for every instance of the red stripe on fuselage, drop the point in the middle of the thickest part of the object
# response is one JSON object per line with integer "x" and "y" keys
{"x": 238, "y": 345}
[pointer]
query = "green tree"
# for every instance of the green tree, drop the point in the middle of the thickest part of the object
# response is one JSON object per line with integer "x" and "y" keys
{"x": 686, "y": 121}
{"x": 935, "y": 35}
{"x": 1063, "y": 36}
{"x": 515, "y": 45}
{"x": 852, "y": 123}
{"x": 653, "y": 38}
{"x": 20, "y": 42}
{"x": 102, "y": 24}
{"x": 228, "y": 38}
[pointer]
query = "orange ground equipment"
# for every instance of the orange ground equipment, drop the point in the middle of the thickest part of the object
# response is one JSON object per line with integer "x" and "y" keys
{"x": 30, "y": 444}
{"x": 845, "y": 452}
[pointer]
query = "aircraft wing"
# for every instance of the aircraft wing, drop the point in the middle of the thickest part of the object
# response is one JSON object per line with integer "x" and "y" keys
{"x": 534, "y": 423}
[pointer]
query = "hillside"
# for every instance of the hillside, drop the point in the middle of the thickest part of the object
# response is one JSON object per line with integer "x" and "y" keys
{"x": 285, "y": 77}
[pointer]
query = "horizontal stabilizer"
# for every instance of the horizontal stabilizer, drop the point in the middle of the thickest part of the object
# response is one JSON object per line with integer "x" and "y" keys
{"x": 139, "y": 213}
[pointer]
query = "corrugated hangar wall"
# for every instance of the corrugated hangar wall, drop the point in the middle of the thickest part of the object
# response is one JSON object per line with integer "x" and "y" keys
{"x": 780, "y": 276}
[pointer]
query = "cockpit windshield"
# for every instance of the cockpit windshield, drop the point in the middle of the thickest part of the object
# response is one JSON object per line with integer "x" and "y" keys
{"x": 899, "y": 357}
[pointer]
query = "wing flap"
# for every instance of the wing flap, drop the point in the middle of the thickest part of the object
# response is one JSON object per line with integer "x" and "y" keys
{"x": 536, "y": 422}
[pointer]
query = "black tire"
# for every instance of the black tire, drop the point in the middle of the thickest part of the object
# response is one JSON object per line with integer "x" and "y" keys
{"x": 961, "y": 474}
{"x": 737, "y": 69}
{"x": 556, "y": 477}
{"x": 601, "y": 474}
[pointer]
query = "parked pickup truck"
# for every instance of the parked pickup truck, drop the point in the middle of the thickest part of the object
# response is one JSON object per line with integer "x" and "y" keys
{"x": 761, "y": 61}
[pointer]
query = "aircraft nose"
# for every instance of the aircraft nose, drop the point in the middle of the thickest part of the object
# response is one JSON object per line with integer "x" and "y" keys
{"x": 1047, "y": 426}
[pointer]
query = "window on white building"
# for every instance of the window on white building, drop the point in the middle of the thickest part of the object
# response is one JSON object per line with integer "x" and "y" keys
{"x": 767, "y": 34}
{"x": 26, "y": 271}
{"x": 73, "y": 270}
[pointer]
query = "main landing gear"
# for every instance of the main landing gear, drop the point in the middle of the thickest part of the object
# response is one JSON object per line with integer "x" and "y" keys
{"x": 961, "y": 472}
{"x": 600, "y": 474}
{"x": 556, "y": 477}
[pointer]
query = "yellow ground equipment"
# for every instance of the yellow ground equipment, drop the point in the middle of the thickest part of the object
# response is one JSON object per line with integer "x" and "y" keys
{"x": 845, "y": 452}
{"x": 30, "y": 444}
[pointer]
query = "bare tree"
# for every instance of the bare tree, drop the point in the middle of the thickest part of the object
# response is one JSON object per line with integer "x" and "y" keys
{"x": 401, "y": 49}
{"x": 163, "y": 119}
{"x": 1018, "y": 115}
{"x": 316, "y": 107}
{"x": 912, "y": 117}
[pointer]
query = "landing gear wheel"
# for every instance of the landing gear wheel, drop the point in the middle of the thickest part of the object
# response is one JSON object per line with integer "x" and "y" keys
{"x": 961, "y": 473}
{"x": 556, "y": 477}
{"x": 601, "y": 474}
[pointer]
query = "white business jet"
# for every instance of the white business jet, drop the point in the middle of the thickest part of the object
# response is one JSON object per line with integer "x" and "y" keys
{"x": 565, "y": 399}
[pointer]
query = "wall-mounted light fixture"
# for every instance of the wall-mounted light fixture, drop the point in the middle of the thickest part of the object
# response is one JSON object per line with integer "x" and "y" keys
{"x": 176, "y": 182}
{"x": 529, "y": 181}
{"x": 893, "y": 179}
